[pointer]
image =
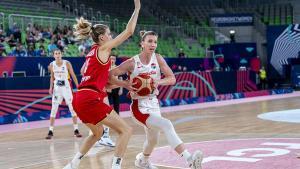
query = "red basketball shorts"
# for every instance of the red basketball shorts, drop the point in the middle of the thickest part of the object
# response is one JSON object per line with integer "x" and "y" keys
{"x": 143, "y": 108}
{"x": 89, "y": 106}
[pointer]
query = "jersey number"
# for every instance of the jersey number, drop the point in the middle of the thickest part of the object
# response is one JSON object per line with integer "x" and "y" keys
{"x": 86, "y": 65}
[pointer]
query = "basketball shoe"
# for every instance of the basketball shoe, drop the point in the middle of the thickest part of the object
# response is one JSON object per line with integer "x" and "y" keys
{"x": 50, "y": 135}
{"x": 196, "y": 160}
{"x": 142, "y": 163}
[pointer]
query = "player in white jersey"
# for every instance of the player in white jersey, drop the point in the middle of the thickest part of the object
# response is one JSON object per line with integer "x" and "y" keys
{"x": 146, "y": 109}
{"x": 60, "y": 88}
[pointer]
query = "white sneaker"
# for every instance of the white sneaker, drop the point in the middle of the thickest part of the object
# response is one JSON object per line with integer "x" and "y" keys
{"x": 140, "y": 163}
{"x": 106, "y": 141}
{"x": 69, "y": 166}
{"x": 116, "y": 167}
{"x": 197, "y": 160}
{"x": 116, "y": 164}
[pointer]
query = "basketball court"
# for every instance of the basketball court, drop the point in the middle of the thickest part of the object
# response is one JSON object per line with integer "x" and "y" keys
{"x": 252, "y": 133}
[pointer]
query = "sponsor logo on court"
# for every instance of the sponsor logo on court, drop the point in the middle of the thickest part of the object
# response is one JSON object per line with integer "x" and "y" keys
{"x": 269, "y": 153}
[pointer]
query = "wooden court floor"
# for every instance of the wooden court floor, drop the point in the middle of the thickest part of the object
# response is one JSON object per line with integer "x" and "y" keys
{"x": 29, "y": 150}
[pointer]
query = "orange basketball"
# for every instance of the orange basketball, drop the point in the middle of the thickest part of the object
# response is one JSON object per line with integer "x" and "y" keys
{"x": 144, "y": 84}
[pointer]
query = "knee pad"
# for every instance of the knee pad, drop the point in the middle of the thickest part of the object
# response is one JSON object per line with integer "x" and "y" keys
{"x": 171, "y": 134}
{"x": 166, "y": 125}
{"x": 54, "y": 110}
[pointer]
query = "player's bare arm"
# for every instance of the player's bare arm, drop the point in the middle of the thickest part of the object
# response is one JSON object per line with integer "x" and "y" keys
{"x": 169, "y": 78}
{"x": 105, "y": 49}
{"x": 123, "y": 68}
{"x": 51, "y": 79}
{"x": 71, "y": 71}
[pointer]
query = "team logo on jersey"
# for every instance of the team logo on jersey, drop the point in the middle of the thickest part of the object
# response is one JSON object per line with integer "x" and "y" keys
{"x": 153, "y": 66}
{"x": 63, "y": 68}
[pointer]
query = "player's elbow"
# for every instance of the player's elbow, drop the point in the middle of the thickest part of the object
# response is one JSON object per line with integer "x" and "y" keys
{"x": 172, "y": 80}
{"x": 129, "y": 31}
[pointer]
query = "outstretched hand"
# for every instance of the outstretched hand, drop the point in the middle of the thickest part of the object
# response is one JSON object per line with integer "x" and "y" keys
{"x": 129, "y": 86}
{"x": 137, "y": 4}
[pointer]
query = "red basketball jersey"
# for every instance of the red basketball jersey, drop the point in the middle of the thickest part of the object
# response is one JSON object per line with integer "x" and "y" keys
{"x": 96, "y": 73}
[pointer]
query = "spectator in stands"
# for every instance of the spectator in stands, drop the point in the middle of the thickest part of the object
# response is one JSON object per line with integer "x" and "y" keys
{"x": 60, "y": 45}
{"x": 2, "y": 36}
{"x": 29, "y": 27}
{"x": 46, "y": 33}
{"x": 11, "y": 41}
{"x": 42, "y": 42}
{"x": 51, "y": 46}
{"x": 2, "y": 50}
{"x": 30, "y": 51}
{"x": 19, "y": 51}
{"x": 69, "y": 38}
{"x": 81, "y": 49}
{"x": 41, "y": 52}
{"x": 17, "y": 35}
{"x": 181, "y": 54}
{"x": 30, "y": 39}
{"x": 37, "y": 36}
{"x": 263, "y": 78}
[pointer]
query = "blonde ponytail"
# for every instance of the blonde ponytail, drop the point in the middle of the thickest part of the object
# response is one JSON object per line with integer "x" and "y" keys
{"x": 83, "y": 29}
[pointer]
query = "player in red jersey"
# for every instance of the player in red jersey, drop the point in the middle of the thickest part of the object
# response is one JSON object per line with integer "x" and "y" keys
{"x": 88, "y": 102}
{"x": 145, "y": 109}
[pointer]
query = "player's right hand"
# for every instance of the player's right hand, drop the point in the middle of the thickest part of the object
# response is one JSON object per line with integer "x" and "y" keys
{"x": 50, "y": 91}
{"x": 137, "y": 4}
{"x": 129, "y": 86}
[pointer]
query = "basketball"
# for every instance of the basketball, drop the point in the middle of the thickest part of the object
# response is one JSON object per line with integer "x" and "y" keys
{"x": 144, "y": 84}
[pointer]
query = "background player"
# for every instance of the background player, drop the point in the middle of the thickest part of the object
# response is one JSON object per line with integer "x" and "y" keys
{"x": 60, "y": 88}
{"x": 146, "y": 109}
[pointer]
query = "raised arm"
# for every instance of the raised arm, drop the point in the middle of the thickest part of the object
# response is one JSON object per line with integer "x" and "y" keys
{"x": 71, "y": 71}
{"x": 127, "y": 32}
{"x": 169, "y": 78}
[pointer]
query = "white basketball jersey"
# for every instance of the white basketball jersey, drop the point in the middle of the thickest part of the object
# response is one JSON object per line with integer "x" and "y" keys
{"x": 60, "y": 72}
{"x": 152, "y": 69}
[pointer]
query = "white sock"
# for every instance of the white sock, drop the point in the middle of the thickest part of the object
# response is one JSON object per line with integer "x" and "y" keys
{"x": 51, "y": 128}
{"x": 75, "y": 126}
{"x": 106, "y": 132}
{"x": 117, "y": 161}
{"x": 144, "y": 158}
{"x": 186, "y": 155}
{"x": 76, "y": 160}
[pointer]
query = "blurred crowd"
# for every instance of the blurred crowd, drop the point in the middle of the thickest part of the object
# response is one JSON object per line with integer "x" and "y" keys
{"x": 38, "y": 41}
